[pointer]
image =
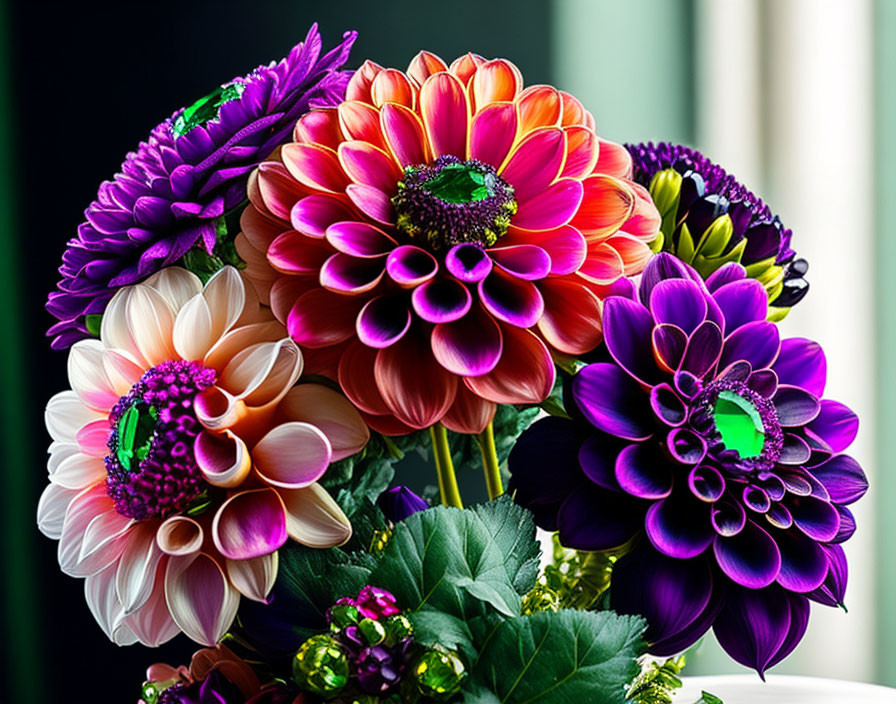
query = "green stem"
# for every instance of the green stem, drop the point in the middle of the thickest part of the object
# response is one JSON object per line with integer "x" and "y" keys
{"x": 445, "y": 467}
{"x": 490, "y": 462}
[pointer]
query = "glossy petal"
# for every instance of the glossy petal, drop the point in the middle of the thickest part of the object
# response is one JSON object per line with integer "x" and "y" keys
{"x": 642, "y": 472}
{"x": 314, "y": 519}
{"x": 836, "y": 425}
{"x": 250, "y": 524}
{"x": 441, "y": 300}
{"x": 607, "y": 203}
{"x": 751, "y": 558}
{"x": 292, "y": 455}
{"x": 405, "y": 135}
{"x": 470, "y": 346}
{"x": 383, "y": 321}
{"x": 525, "y": 374}
{"x": 493, "y": 133}
{"x": 678, "y": 527}
{"x": 552, "y": 208}
{"x": 802, "y": 363}
{"x": 571, "y": 322}
{"x": 443, "y": 106}
{"x": 612, "y": 402}
{"x": 758, "y": 343}
{"x": 741, "y": 302}
{"x": 510, "y": 299}
{"x": 200, "y": 598}
{"x": 628, "y": 328}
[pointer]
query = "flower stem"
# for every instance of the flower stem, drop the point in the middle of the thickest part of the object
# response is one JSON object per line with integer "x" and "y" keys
{"x": 445, "y": 467}
{"x": 490, "y": 462}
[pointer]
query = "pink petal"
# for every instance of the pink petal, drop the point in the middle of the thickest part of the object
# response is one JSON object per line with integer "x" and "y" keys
{"x": 315, "y": 167}
{"x": 425, "y": 64}
{"x": 581, "y": 152}
{"x": 493, "y": 133}
{"x": 644, "y": 222}
{"x": 446, "y": 115}
{"x": 374, "y": 203}
{"x": 329, "y": 412}
{"x": 603, "y": 264}
{"x": 633, "y": 252}
{"x": 535, "y": 162}
{"x": 201, "y": 600}
{"x": 606, "y": 205}
{"x": 511, "y": 299}
{"x": 369, "y": 166}
{"x": 573, "y": 111}
{"x": 552, "y": 208}
{"x": 152, "y": 623}
{"x": 572, "y": 316}
{"x": 84, "y": 507}
{"x": 345, "y": 274}
{"x": 470, "y": 346}
{"x": 88, "y": 377}
{"x": 359, "y": 86}
{"x": 278, "y": 190}
{"x": 320, "y": 318}
{"x": 223, "y": 458}
{"x": 51, "y": 509}
{"x": 294, "y": 253}
{"x": 404, "y": 134}
{"x": 253, "y": 578}
{"x": 464, "y": 67}
{"x": 495, "y": 81}
{"x": 613, "y": 160}
{"x": 250, "y": 524}
{"x": 292, "y": 455}
{"x": 312, "y": 215}
{"x": 383, "y": 321}
{"x": 66, "y": 415}
{"x": 410, "y": 266}
{"x": 360, "y": 121}
{"x": 78, "y": 471}
{"x": 524, "y": 261}
{"x": 319, "y": 127}
{"x": 565, "y": 246}
{"x": 413, "y": 384}
{"x": 539, "y": 106}
{"x": 391, "y": 86}
{"x": 356, "y": 378}
{"x": 469, "y": 414}
{"x": 525, "y": 373}
{"x": 441, "y": 300}
{"x": 360, "y": 239}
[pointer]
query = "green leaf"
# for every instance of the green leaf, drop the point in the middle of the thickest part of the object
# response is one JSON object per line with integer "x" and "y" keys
{"x": 555, "y": 658}
{"x": 707, "y": 698}
{"x": 437, "y": 628}
{"x": 462, "y": 563}
{"x": 94, "y": 322}
{"x": 513, "y": 530}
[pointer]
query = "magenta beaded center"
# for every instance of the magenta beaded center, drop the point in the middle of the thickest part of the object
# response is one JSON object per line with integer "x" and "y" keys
{"x": 151, "y": 471}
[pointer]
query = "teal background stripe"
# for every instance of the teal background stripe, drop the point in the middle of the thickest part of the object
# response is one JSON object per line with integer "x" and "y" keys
{"x": 25, "y": 669}
{"x": 884, "y": 490}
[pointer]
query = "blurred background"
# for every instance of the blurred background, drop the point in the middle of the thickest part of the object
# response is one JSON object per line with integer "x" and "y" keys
{"x": 796, "y": 97}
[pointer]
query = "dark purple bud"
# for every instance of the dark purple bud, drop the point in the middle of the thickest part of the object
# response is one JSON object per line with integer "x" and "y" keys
{"x": 400, "y": 502}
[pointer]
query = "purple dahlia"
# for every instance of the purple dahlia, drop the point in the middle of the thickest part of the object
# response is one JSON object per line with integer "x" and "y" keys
{"x": 702, "y": 443}
{"x": 181, "y": 187}
{"x": 710, "y": 219}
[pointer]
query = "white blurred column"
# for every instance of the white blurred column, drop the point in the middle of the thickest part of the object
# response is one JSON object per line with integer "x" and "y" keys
{"x": 785, "y": 91}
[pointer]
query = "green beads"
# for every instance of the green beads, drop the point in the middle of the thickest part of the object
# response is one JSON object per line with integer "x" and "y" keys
{"x": 398, "y": 627}
{"x": 461, "y": 183}
{"x": 372, "y": 631}
{"x": 342, "y": 615}
{"x": 321, "y": 666}
{"x": 150, "y": 693}
{"x": 206, "y": 108}
{"x": 136, "y": 428}
{"x": 439, "y": 674}
{"x": 739, "y": 424}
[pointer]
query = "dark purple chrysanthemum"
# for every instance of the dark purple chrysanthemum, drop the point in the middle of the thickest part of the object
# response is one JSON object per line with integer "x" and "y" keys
{"x": 703, "y": 443}
{"x": 697, "y": 198}
{"x": 214, "y": 689}
{"x": 176, "y": 190}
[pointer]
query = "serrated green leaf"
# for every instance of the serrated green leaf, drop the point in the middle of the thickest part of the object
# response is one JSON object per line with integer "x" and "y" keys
{"x": 555, "y": 658}
{"x": 462, "y": 563}
{"x": 436, "y": 628}
{"x": 513, "y": 530}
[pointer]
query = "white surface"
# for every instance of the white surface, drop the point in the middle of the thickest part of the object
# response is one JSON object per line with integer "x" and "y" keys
{"x": 783, "y": 689}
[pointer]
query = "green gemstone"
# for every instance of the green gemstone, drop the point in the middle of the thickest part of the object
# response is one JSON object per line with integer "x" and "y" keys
{"x": 136, "y": 429}
{"x": 373, "y": 631}
{"x": 461, "y": 183}
{"x": 321, "y": 666}
{"x": 439, "y": 674}
{"x": 398, "y": 627}
{"x": 343, "y": 615}
{"x": 205, "y": 109}
{"x": 150, "y": 692}
{"x": 739, "y": 424}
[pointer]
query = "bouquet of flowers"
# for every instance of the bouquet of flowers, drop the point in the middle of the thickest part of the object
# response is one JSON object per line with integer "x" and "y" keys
{"x": 312, "y": 272}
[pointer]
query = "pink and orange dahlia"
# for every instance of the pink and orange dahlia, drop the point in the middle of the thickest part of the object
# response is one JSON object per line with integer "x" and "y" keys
{"x": 433, "y": 239}
{"x": 184, "y": 456}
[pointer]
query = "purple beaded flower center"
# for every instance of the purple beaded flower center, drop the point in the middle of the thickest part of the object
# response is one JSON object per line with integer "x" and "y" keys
{"x": 703, "y": 419}
{"x": 151, "y": 471}
{"x": 452, "y": 201}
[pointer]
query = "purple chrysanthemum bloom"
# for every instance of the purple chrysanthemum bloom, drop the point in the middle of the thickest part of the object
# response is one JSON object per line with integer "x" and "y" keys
{"x": 180, "y": 188}
{"x": 710, "y": 219}
{"x": 399, "y": 503}
{"x": 702, "y": 443}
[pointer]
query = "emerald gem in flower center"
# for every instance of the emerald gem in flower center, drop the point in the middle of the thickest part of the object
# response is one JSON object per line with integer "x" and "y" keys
{"x": 740, "y": 424}
{"x": 461, "y": 183}
{"x": 451, "y": 202}
{"x": 136, "y": 429}
{"x": 206, "y": 108}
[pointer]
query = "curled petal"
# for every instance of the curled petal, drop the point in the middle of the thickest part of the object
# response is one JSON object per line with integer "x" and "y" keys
{"x": 441, "y": 300}
{"x": 383, "y": 321}
{"x": 405, "y": 135}
{"x": 470, "y": 346}
{"x": 180, "y": 535}
{"x": 250, "y": 524}
{"x": 314, "y": 519}
{"x": 223, "y": 458}
{"x": 678, "y": 527}
{"x": 511, "y": 300}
